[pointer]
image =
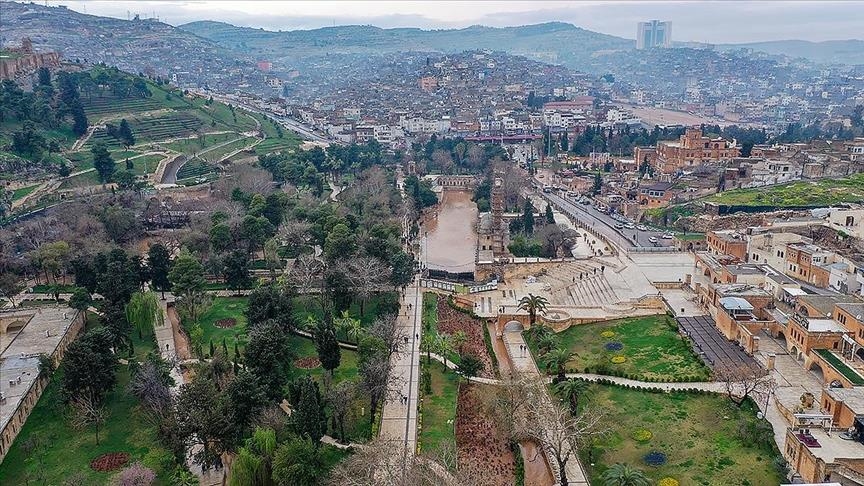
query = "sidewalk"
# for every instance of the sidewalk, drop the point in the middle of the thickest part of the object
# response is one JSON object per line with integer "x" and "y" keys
{"x": 398, "y": 420}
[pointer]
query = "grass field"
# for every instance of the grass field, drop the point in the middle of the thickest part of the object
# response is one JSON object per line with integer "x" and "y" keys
{"x": 224, "y": 308}
{"x": 652, "y": 347}
{"x": 65, "y": 453}
{"x": 306, "y": 306}
{"x": 81, "y": 180}
{"x": 23, "y": 191}
{"x": 823, "y": 192}
{"x": 438, "y": 409}
{"x": 697, "y": 433}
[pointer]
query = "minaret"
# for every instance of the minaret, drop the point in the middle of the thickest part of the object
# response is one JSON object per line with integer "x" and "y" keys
{"x": 497, "y": 215}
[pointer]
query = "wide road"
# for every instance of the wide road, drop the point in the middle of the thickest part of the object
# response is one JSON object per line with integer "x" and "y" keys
{"x": 605, "y": 225}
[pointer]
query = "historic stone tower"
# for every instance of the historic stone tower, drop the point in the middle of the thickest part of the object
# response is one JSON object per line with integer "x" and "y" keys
{"x": 497, "y": 215}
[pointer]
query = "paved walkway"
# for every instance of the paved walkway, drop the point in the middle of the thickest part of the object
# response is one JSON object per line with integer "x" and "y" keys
{"x": 399, "y": 420}
{"x": 523, "y": 363}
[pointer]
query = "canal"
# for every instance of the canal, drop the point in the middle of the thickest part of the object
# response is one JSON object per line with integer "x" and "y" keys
{"x": 450, "y": 233}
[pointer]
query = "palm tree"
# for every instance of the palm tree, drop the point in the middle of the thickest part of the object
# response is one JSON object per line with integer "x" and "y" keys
{"x": 533, "y": 303}
{"x": 352, "y": 328}
{"x": 556, "y": 361}
{"x": 546, "y": 342}
{"x": 570, "y": 391}
{"x": 624, "y": 475}
{"x": 427, "y": 343}
{"x": 443, "y": 346}
{"x": 458, "y": 339}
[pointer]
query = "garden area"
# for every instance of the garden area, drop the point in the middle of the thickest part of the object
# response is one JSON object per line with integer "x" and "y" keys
{"x": 454, "y": 332}
{"x": 49, "y": 450}
{"x": 823, "y": 192}
{"x": 642, "y": 348}
{"x": 690, "y": 438}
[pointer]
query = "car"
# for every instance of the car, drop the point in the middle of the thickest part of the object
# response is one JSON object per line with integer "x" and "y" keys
{"x": 668, "y": 236}
{"x": 653, "y": 239}
{"x": 641, "y": 227}
{"x": 630, "y": 226}
{"x": 586, "y": 202}
{"x": 619, "y": 226}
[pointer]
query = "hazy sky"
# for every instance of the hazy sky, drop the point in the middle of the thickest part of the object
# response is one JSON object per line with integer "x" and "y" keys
{"x": 711, "y": 21}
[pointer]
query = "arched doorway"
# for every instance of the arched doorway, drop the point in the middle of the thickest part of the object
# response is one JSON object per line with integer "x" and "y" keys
{"x": 513, "y": 326}
{"x": 816, "y": 369}
{"x": 795, "y": 353}
{"x": 860, "y": 354}
{"x": 781, "y": 339}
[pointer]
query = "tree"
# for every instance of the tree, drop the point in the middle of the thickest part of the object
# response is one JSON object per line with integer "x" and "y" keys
{"x": 136, "y": 475}
{"x": 236, "y": 271}
{"x": 469, "y": 365}
{"x": 556, "y": 361}
{"x": 220, "y": 237}
{"x": 623, "y": 475}
{"x": 309, "y": 418}
{"x": 203, "y": 421}
{"x": 443, "y": 347}
{"x": 102, "y": 162}
{"x": 269, "y": 357}
{"x": 374, "y": 369}
{"x": 340, "y": 243}
{"x": 253, "y": 465}
{"x": 366, "y": 275}
{"x": 270, "y": 302}
{"x": 124, "y": 133}
{"x": 533, "y": 304}
{"x": 79, "y": 119}
{"x": 88, "y": 410}
{"x": 125, "y": 179}
{"x": 340, "y": 398}
{"x": 328, "y": 348}
{"x": 528, "y": 218}
{"x": 427, "y": 344}
{"x": 458, "y": 340}
{"x": 550, "y": 217}
{"x": 570, "y": 391}
{"x": 10, "y": 286}
{"x": 352, "y": 328}
{"x": 742, "y": 381}
{"x": 598, "y": 184}
{"x": 159, "y": 262}
{"x": 89, "y": 367}
{"x": 298, "y": 461}
{"x": 246, "y": 398}
{"x": 151, "y": 382}
{"x": 144, "y": 313}
{"x": 186, "y": 275}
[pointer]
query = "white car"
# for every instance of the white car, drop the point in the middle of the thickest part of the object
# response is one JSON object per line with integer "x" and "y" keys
{"x": 668, "y": 236}
{"x": 653, "y": 239}
{"x": 629, "y": 225}
{"x": 641, "y": 227}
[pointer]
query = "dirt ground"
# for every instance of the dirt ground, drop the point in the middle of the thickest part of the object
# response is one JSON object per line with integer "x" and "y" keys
{"x": 479, "y": 445}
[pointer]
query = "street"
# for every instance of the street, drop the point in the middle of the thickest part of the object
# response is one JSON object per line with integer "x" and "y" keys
{"x": 605, "y": 224}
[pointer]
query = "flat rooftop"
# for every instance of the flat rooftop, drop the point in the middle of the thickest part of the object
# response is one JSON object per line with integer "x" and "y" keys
{"x": 44, "y": 329}
{"x": 851, "y": 397}
{"x": 832, "y": 447}
{"x": 824, "y": 325}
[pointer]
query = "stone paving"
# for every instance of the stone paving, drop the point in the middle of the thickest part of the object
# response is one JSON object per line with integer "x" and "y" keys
{"x": 399, "y": 419}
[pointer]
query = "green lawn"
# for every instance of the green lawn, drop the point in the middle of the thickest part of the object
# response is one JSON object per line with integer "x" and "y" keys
{"x": 224, "y": 308}
{"x": 824, "y": 192}
{"x": 652, "y": 347}
{"x": 23, "y": 191}
{"x": 305, "y": 306}
{"x": 430, "y": 320}
{"x": 698, "y": 434}
{"x": 438, "y": 409}
{"x": 65, "y": 452}
{"x": 841, "y": 367}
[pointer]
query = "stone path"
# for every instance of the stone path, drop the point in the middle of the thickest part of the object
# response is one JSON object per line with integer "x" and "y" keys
{"x": 399, "y": 420}
{"x": 524, "y": 363}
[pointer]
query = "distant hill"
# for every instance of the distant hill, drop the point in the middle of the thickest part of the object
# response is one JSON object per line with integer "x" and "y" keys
{"x": 553, "y": 42}
{"x": 839, "y": 51}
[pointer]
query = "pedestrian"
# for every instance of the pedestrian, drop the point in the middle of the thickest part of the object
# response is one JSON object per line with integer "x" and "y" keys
{"x": 574, "y": 279}
{"x": 602, "y": 268}
{"x": 406, "y": 339}
{"x": 417, "y": 336}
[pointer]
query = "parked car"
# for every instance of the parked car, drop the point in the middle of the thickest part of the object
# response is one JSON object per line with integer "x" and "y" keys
{"x": 619, "y": 226}
{"x": 641, "y": 227}
{"x": 630, "y": 226}
{"x": 653, "y": 239}
{"x": 668, "y": 236}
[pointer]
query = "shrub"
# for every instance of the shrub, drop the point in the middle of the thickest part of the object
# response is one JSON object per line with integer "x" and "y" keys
{"x": 655, "y": 458}
{"x": 136, "y": 475}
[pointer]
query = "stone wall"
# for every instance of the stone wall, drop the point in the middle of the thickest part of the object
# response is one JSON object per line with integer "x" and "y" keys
{"x": 27, "y": 64}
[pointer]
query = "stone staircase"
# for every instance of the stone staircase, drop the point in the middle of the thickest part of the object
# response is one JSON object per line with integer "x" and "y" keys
{"x": 592, "y": 290}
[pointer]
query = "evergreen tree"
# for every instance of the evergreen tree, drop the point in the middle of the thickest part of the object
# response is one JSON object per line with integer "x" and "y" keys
{"x": 550, "y": 217}
{"x": 102, "y": 162}
{"x": 309, "y": 418}
{"x": 327, "y": 346}
{"x": 125, "y": 134}
{"x": 159, "y": 262}
{"x": 528, "y": 218}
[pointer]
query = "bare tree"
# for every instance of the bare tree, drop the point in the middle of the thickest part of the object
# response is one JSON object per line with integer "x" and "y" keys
{"x": 305, "y": 272}
{"x": 86, "y": 411}
{"x": 366, "y": 275}
{"x": 149, "y": 385}
{"x": 340, "y": 398}
{"x": 387, "y": 328}
{"x": 742, "y": 381}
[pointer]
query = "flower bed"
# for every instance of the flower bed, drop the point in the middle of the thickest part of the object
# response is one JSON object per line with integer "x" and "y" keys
{"x": 451, "y": 320}
{"x": 655, "y": 458}
{"x": 614, "y": 346}
{"x": 607, "y": 334}
{"x": 642, "y": 435}
{"x": 668, "y": 482}
{"x": 618, "y": 359}
{"x": 481, "y": 448}
{"x": 307, "y": 363}
{"x": 110, "y": 461}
